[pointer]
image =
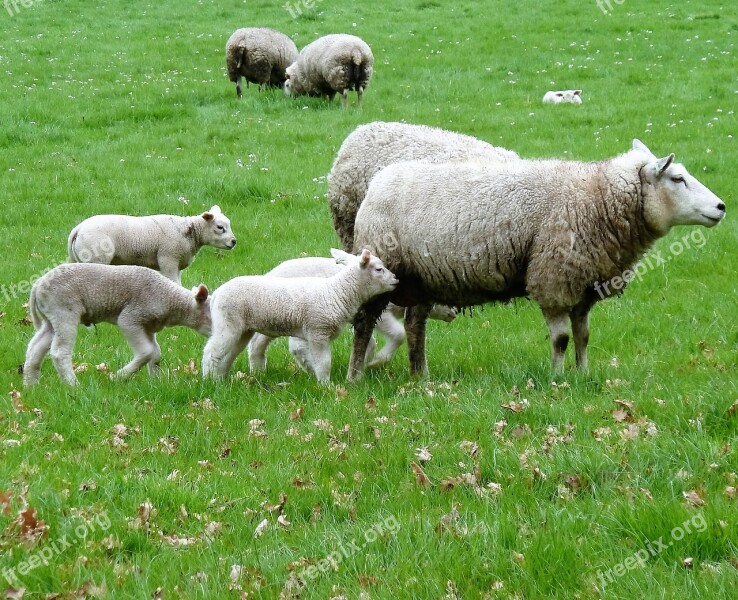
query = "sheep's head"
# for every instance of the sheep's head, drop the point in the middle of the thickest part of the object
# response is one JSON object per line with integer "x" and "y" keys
{"x": 217, "y": 231}
{"x": 671, "y": 196}
{"x": 376, "y": 277}
{"x": 202, "y": 322}
{"x": 289, "y": 83}
{"x": 440, "y": 312}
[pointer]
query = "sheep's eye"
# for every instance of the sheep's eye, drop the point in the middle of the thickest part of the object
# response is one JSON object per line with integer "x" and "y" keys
{"x": 379, "y": 269}
{"x": 220, "y": 228}
{"x": 679, "y": 179}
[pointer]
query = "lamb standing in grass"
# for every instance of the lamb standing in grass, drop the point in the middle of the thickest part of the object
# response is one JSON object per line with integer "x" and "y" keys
{"x": 332, "y": 64}
{"x": 388, "y": 324}
{"x": 260, "y": 55}
{"x": 167, "y": 243}
{"x": 370, "y": 148}
{"x": 556, "y": 231}
{"x": 314, "y": 309}
{"x": 137, "y": 299}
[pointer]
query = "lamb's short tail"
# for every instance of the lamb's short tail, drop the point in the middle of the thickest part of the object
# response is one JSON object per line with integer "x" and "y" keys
{"x": 71, "y": 254}
{"x": 33, "y": 309}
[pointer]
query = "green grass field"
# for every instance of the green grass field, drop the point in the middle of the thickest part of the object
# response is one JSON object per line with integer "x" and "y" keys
{"x": 618, "y": 483}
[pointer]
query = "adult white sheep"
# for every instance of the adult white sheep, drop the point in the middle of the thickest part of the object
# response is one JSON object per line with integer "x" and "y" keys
{"x": 138, "y": 300}
{"x": 370, "y": 148}
{"x": 469, "y": 233}
{"x": 388, "y": 324}
{"x": 312, "y": 308}
{"x": 331, "y": 64}
{"x": 260, "y": 55}
{"x": 563, "y": 97}
{"x": 167, "y": 243}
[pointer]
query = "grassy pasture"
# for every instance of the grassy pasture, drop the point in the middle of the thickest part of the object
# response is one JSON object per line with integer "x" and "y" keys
{"x": 125, "y": 107}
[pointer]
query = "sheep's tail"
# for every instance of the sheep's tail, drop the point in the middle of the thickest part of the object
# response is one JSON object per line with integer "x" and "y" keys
{"x": 357, "y": 57}
{"x": 33, "y": 309}
{"x": 358, "y": 76}
{"x": 71, "y": 254}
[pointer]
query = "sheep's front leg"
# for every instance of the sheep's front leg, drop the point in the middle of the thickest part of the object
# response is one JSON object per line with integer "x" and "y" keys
{"x": 320, "y": 358}
{"x": 580, "y": 330}
{"x": 416, "y": 318}
{"x": 394, "y": 334}
{"x": 364, "y": 323}
{"x": 257, "y": 351}
{"x": 144, "y": 349}
{"x": 62, "y": 346}
{"x": 38, "y": 347}
{"x": 170, "y": 269}
{"x": 558, "y": 328}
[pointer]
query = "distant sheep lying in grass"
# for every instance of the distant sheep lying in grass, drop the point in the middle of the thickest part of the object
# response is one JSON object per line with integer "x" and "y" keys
{"x": 563, "y": 97}
{"x": 314, "y": 309}
{"x": 260, "y": 55}
{"x": 388, "y": 324}
{"x": 468, "y": 233}
{"x": 331, "y": 64}
{"x": 167, "y": 243}
{"x": 138, "y": 300}
{"x": 370, "y": 148}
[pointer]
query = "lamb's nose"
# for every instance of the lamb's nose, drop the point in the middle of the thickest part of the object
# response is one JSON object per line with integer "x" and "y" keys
{"x": 721, "y": 206}
{"x": 233, "y": 243}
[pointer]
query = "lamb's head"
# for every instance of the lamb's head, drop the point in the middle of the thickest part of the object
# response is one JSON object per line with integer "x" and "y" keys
{"x": 441, "y": 312}
{"x": 674, "y": 197}
{"x": 375, "y": 278}
{"x": 217, "y": 231}
{"x": 200, "y": 321}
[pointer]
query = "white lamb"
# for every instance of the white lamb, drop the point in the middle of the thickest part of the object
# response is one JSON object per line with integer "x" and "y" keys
{"x": 562, "y": 97}
{"x": 314, "y": 309}
{"x": 331, "y": 64}
{"x": 137, "y": 299}
{"x": 388, "y": 325}
{"x": 167, "y": 243}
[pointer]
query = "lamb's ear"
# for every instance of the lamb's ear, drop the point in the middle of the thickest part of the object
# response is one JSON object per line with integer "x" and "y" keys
{"x": 364, "y": 258}
{"x": 216, "y": 210}
{"x": 639, "y": 145}
{"x": 201, "y": 293}
{"x": 342, "y": 258}
{"x": 663, "y": 164}
{"x": 208, "y": 216}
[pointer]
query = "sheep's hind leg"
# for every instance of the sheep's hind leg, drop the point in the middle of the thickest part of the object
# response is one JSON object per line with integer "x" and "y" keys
{"x": 416, "y": 318}
{"x": 145, "y": 350}
{"x": 257, "y": 351}
{"x": 344, "y": 98}
{"x": 62, "y": 346}
{"x": 359, "y": 95}
{"x": 38, "y": 347}
{"x": 558, "y": 328}
{"x": 364, "y": 323}
{"x": 580, "y": 330}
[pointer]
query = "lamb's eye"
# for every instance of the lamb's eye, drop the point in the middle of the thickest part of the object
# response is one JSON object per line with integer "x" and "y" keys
{"x": 679, "y": 179}
{"x": 220, "y": 228}
{"x": 379, "y": 269}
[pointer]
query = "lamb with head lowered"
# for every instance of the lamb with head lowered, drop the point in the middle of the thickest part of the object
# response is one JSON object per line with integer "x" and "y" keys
{"x": 166, "y": 243}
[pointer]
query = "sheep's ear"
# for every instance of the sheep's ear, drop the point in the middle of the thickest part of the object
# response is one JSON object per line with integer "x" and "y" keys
{"x": 577, "y": 92}
{"x": 639, "y": 145}
{"x": 342, "y": 258}
{"x": 560, "y": 94}
{"x": 216, "y": 210}
{"x": 663, "y": 164}
{"x": 201, "y": 293}
{"x": 208, "y": 216}
{"x": 364, "y": 258}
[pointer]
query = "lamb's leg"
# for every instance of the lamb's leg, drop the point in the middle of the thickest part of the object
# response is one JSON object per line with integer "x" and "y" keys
{"x": 62, "y": 346}
{"x": 558, "y": 328}
{"x": 300, "y": 349}
{"x": 257, "y": 351}
{"x": 144, "y": 348}
{"x": 38, "y": 347}
{"x": 155, "y": 359}
{"x": 170, "y": 269}
{"x": 371, "y": 350}
{"x": 416, "y": 318}
{"x": 580, "y": 330}
{"x": 320, "y": 358}
{"x": 394, "y": 334}
{"x": 364, "y": 323}
{"x": 221, "y": 351}
{"x": 344, "y": 98}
